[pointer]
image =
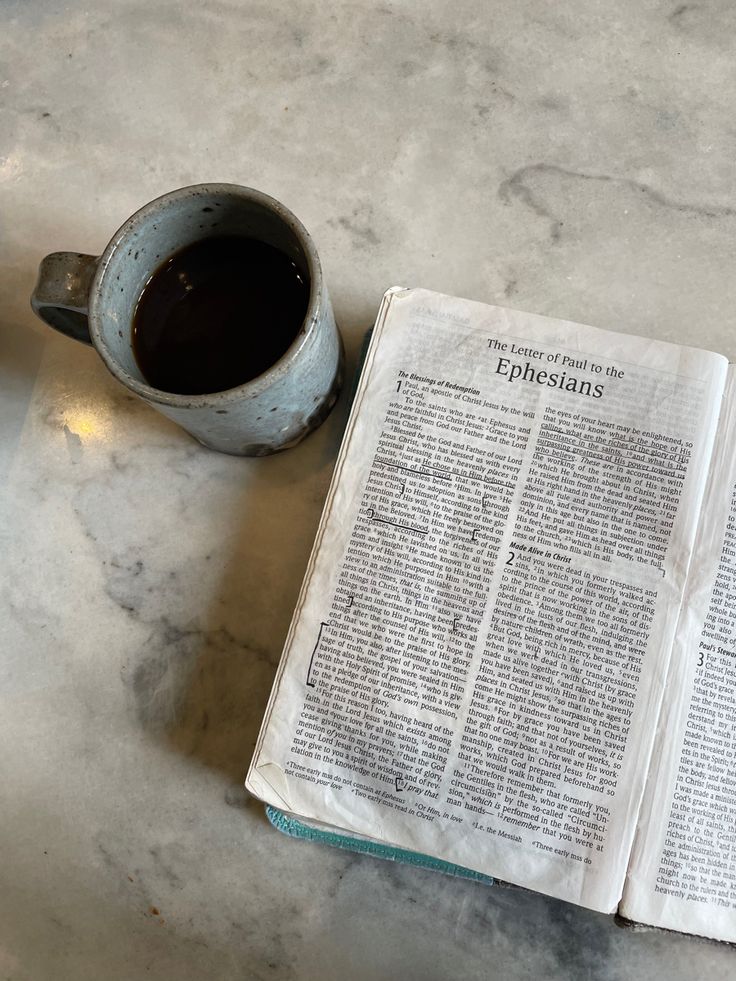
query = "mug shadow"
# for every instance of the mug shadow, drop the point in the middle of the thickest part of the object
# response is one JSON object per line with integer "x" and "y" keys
{"x": 225, "y": 694}
{"x": 22, "y": 339}
{"x": 22, "y": 334}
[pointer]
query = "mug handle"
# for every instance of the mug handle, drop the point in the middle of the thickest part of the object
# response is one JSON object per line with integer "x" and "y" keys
{"x": 61, "y": 295}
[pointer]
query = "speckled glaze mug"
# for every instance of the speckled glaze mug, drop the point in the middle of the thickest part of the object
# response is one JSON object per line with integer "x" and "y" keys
{"x": 93, "y": 300}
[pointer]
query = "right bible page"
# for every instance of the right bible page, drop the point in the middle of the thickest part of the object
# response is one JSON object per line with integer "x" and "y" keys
{"x": 682, "y": 874}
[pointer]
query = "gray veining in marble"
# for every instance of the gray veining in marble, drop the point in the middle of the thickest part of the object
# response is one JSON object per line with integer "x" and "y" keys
{"x": 574, "y": 159}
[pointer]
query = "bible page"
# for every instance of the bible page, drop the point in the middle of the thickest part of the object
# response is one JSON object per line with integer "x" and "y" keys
{"x": 475, "y": 665}
{"x": 683, "y": 869}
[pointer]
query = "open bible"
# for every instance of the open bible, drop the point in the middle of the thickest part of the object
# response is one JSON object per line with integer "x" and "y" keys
{"x": 515, "y": 645}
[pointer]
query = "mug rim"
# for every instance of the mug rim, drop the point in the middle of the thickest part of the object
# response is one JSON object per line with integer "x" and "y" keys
{"x": 254, "y": 386}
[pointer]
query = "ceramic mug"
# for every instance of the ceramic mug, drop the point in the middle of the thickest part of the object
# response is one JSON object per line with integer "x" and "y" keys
{"x": 93, "y": 299}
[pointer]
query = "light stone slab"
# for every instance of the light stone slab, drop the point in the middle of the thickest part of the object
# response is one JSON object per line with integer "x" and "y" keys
{"x": 572, "y": 159}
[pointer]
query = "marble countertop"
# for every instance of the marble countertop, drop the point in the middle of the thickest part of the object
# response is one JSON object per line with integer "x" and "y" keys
{"x": 571, "y": 159}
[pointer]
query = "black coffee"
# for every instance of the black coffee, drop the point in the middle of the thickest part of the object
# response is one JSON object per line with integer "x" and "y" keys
{"x": 217, "y": 314}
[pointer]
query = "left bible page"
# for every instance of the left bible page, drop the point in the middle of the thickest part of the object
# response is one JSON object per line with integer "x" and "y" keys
{"x": 475, "y": 665}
